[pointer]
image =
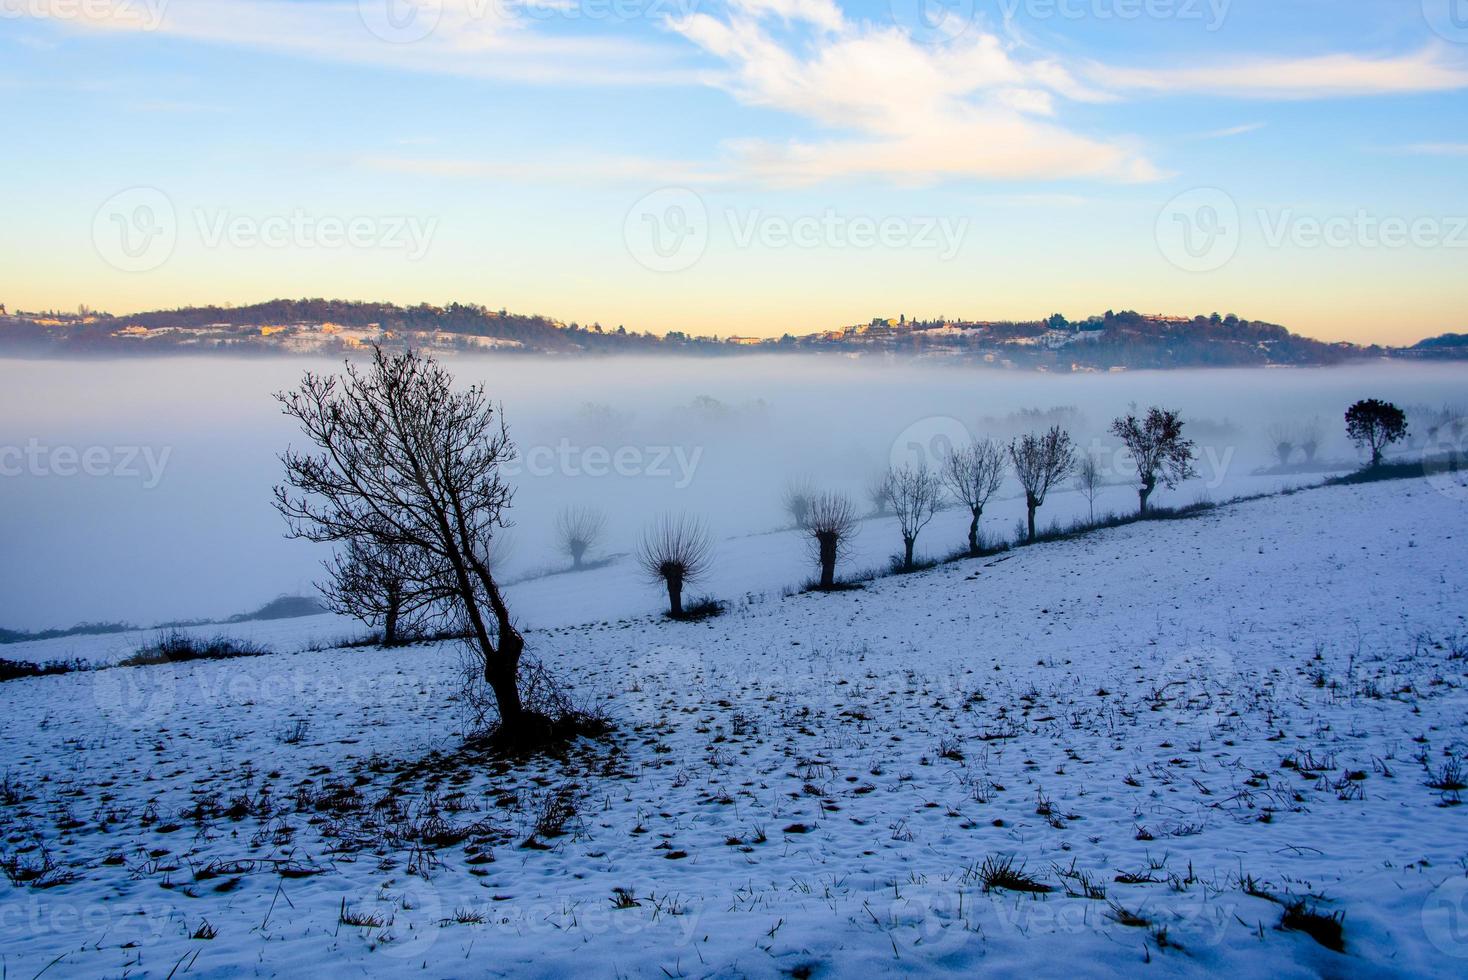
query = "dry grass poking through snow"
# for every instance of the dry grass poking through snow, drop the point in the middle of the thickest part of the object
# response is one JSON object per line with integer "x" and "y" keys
{"x": 1230, "y": 743}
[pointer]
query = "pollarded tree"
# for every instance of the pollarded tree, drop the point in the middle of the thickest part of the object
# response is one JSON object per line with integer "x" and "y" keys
{"x": 578, "y": 530}
{"x": 796, "y": 501}
{"x": 1041, "y": 461}
{"x": 1282, "y": 441}
{"x": 915, "y": 494}
{"x": 405, "y": 461}
{"x": 1374, "y": 424}
{"x": 1158, "y": 449}
{"x": 831, "y": 522}
{"x": 1310, "y": 432}
{"x": 973, "y": 474}
{"x": 676, "y": 551}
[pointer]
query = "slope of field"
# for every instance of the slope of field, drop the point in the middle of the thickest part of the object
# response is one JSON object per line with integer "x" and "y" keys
{"x": 1175, "y": 733}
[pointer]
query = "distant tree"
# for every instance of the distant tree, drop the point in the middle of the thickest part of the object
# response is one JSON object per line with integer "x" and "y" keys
{"x": 831, "y": 521}
{"x": 389, "y": 586}
{"x": 406, "y": 462}
{"x": 1089, "y": 481}
{"x": 676, "y": 551}
{"x": 879, "y": 492}
{"x": 915, "y": 493}
{"x": 1041, "y": 461}
{"x": 1158, "y": 449}
{"x": 973, "y": 474}
{"x": 796, "y": 500}
{"x": 578, "y": 530}
{"x": 1310, "y": 432}
{"x": 1282, "y": 441}
{"x": 1374, "y": 424}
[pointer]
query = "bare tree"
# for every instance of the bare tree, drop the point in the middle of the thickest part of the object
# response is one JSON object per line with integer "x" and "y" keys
{"x": 404, "y": 461}
{"x": 832, "y": 520}
{"x": 1158, "y": 449}
{"x": 387, "y": 586}
{"x": 879, "y": 492}
{"x": 1089, "y": 481}
{"x": 796, "y": 501}
{"x": 1310, "y": 433}
{"x": 579, "y": 529}
{"x": 915, "y": 493}
{"x": 974, "y": 474}
{"x": 676, "y": 551}
{"x": 1282, "y": 441}
{"x": 1041, "y": 462}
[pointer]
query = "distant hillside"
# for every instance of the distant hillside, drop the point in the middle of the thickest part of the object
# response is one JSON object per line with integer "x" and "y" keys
{"x": 1442, "y": 341}
{"x": 1110, "y": 341}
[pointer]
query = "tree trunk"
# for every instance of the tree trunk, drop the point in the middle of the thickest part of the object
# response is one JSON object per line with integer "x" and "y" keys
{"x": 576, "y": 553}
{"x": 390, "y": 623}
{"x": 1145, "y": 492}
{"x": 907, "y": 544}
{"x": 1031, "y": 504}
{"x": 675, "y": 596}
{"x": 973, "y": 532}
{"x": 1375, "y": 456}
{"x": 828, "y": 544}
{"x": 502, "y": 676}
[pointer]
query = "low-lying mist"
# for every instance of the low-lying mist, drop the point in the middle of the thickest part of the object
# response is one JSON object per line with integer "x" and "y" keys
{"x": 140, "y": 490}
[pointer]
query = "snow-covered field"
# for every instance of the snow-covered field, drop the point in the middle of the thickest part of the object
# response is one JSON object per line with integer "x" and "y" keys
{"x": 1177, "y": 728}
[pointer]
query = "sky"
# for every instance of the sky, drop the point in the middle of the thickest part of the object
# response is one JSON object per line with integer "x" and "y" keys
{"x": 745, "y": 167}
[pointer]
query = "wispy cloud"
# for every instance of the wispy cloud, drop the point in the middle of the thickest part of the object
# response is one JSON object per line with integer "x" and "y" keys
{"x": 897, "y": 109}
{"x": 1232, "y": 131}
{"x": 580, "y": 169}
{"x": 492, "y": 39}
{"x": 1433, "y": 69}
{"x": 1435, "y": 149}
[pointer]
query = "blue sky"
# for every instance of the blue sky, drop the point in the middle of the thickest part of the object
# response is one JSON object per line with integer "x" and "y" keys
{"x": 746, "y": 166}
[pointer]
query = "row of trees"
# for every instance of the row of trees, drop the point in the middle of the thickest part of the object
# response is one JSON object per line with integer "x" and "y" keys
{"x": 974, "y": 473}
{"x": 404, "y": 476}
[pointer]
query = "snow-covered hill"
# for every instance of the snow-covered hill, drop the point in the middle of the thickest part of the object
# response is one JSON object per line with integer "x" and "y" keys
{"x": 1180, "y": 729}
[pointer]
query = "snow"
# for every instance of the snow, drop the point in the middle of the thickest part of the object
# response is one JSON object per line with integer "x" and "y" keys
{"x": 1238, "y": 697}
